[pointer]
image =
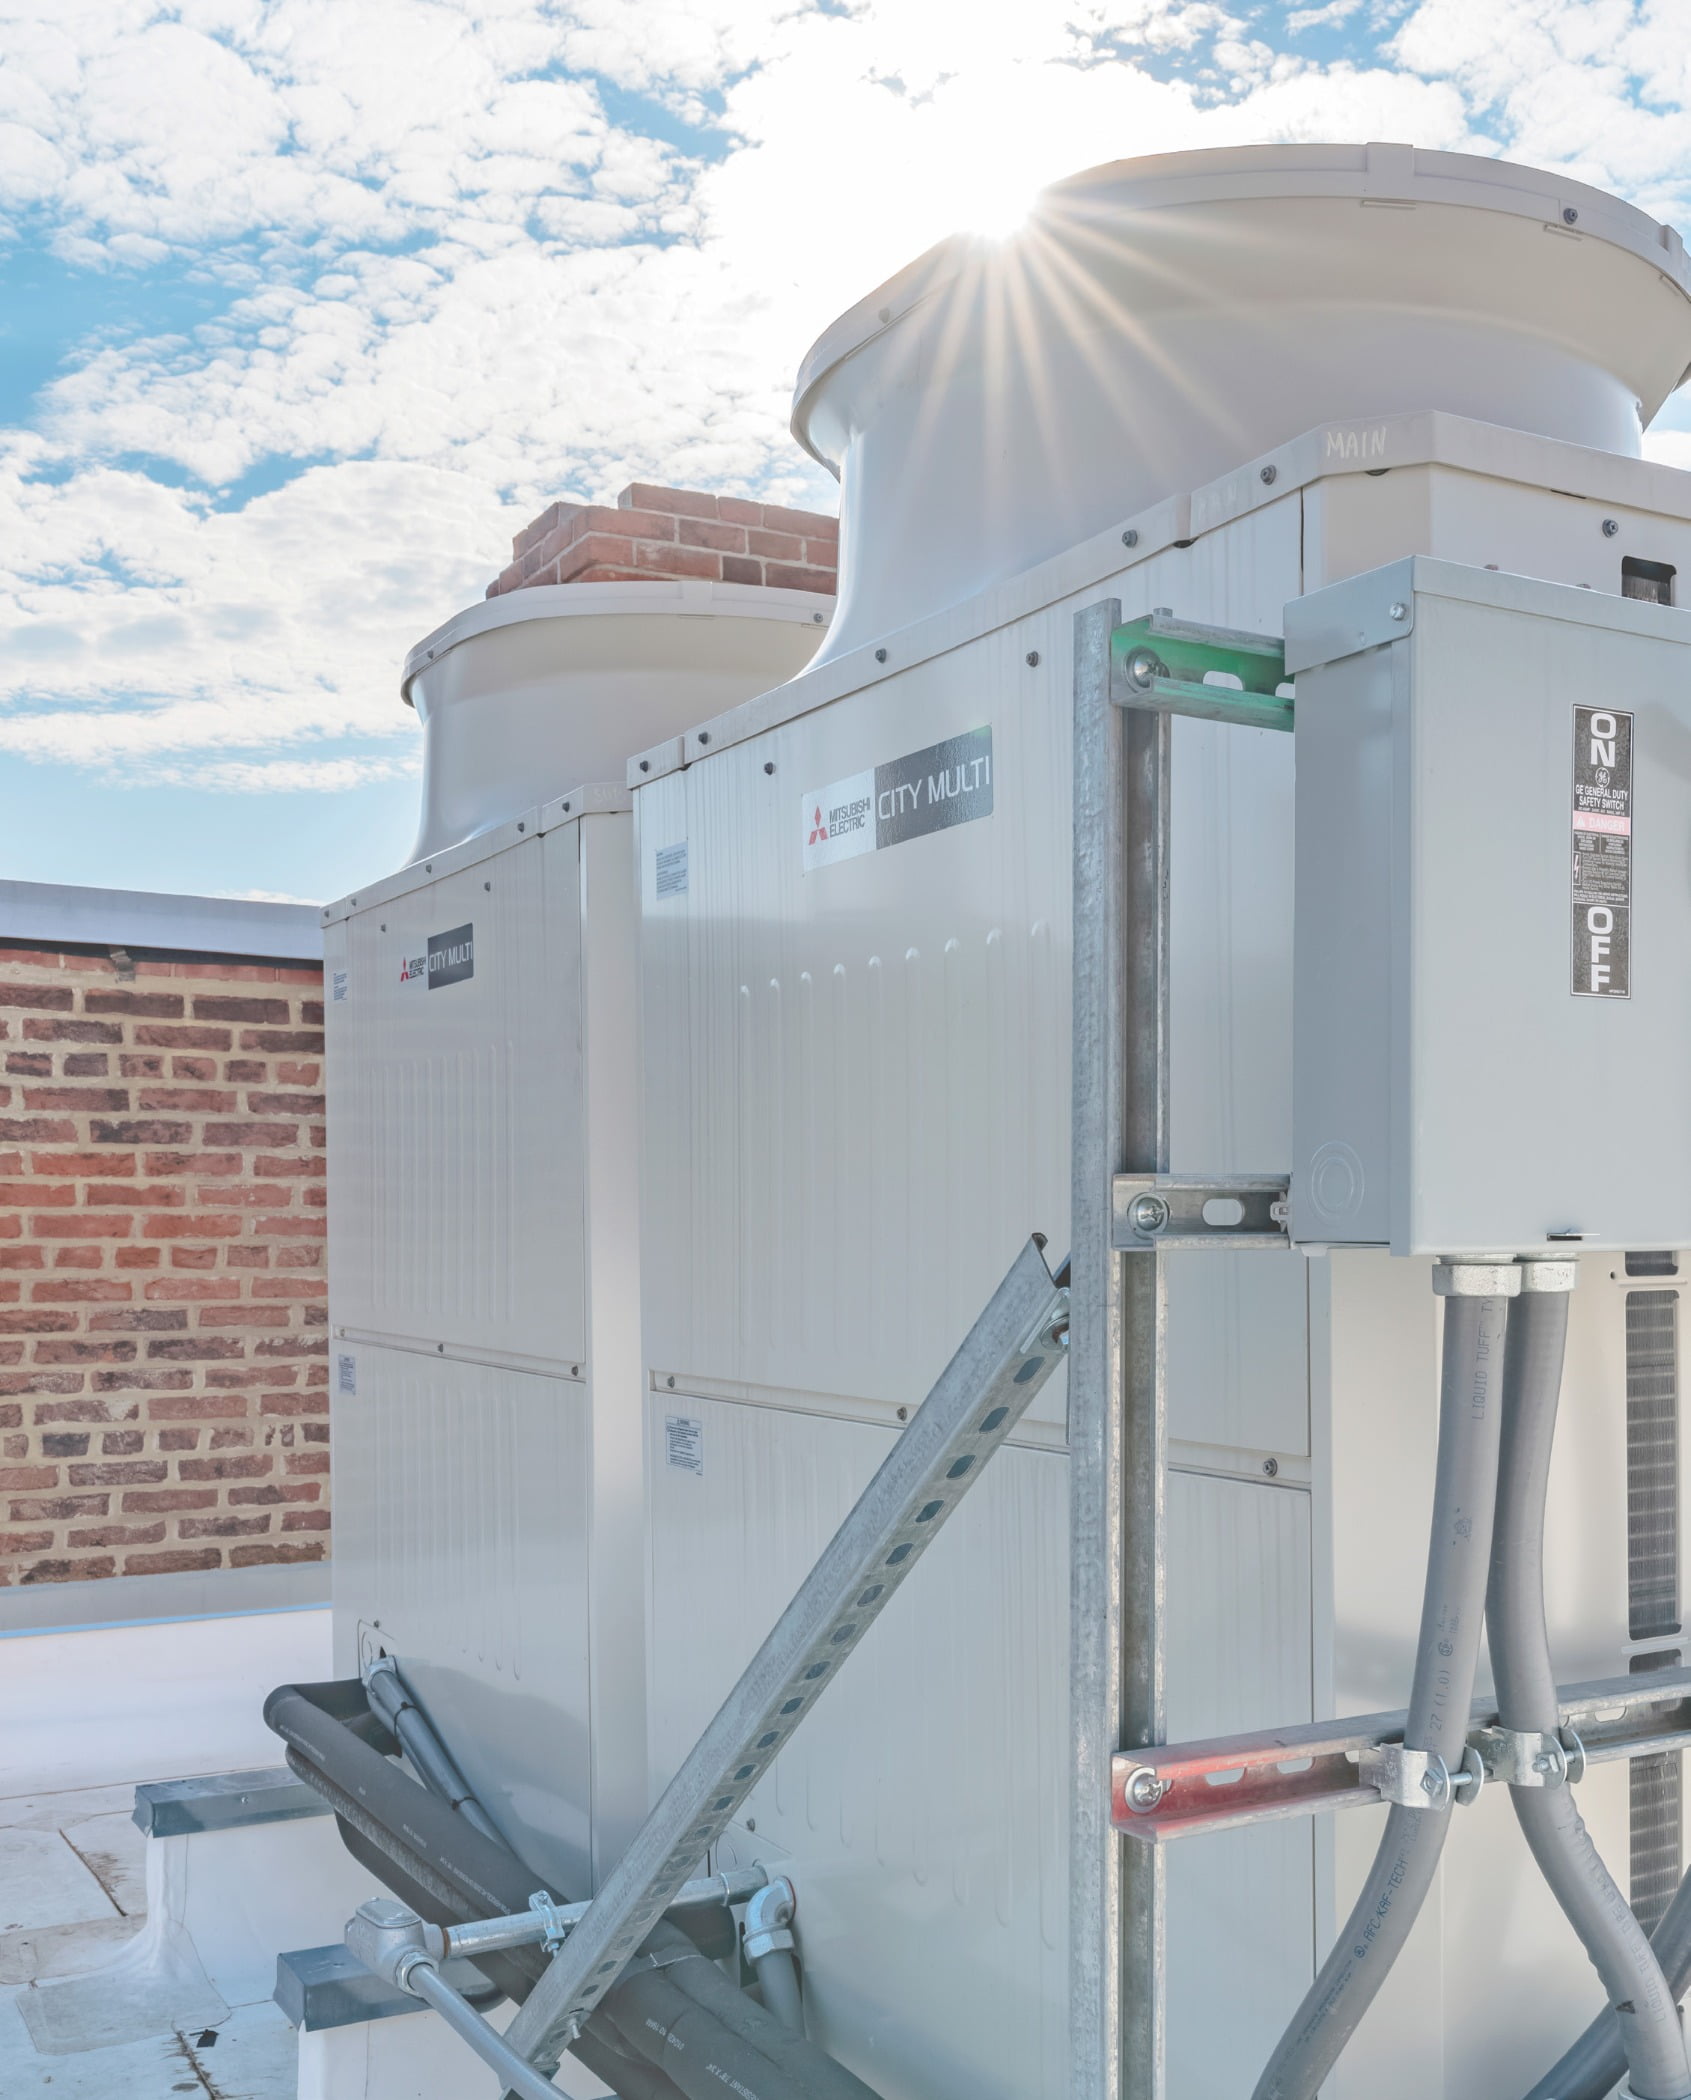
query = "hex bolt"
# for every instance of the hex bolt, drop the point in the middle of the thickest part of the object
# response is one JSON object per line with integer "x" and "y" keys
{"x": 769, "y": 765}
{"x": 1033, "y": 658}
{"x": 904, "y": 1414}
{"x": 1269, "y": 476}
{"x": 670, "y": 1382}
{"x": 1570, "y": 217}
{"x": 817, "y": 618}
{"x": 880, "y": 656}
{"x": 1610, "y": 527}
{"x": 1144, "y": 1790}
{"x": 1271, "y": 1466}
{"x": 1130, "y": 538}
{"x": 1150, "y": 1214}
{"x": 1400, "y": 611}
{"x": 704, "y": 736}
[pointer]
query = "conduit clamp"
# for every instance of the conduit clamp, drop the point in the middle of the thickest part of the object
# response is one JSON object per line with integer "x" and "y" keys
{"x": 1421, "y": 1778}
{"x": 1524, "y": 1756}
{"x": 557, "y": 1926}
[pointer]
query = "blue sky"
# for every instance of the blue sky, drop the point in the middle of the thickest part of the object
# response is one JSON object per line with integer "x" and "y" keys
{"x": 307, "y": 305}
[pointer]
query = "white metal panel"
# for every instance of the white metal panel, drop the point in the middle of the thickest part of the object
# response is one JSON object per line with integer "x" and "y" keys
{"x": 1356, "y": 522}
{"x": 459, "y": 1196}
{"x": 461, "y": 1544}
{"x": 856, "y": 1080}
{"x": 1240, "y": 1902}
{"x": 923, "y": 1804}
{"x": 617, "y": 1517}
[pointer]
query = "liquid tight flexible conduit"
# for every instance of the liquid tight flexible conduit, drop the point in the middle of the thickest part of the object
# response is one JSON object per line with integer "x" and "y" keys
{"x": 1476, "y": 1312}
{"x": 1644, "y": 2027}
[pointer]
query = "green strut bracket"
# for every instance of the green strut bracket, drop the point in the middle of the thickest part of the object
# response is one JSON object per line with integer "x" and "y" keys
{"x": 1161, "y": 663}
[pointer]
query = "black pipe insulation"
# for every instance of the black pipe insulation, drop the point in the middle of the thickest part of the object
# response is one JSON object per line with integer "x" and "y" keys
{"x": 698, "y": 2034}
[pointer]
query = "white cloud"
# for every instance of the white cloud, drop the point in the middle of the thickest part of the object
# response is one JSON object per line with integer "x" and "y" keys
{"x": 451, "y": 278}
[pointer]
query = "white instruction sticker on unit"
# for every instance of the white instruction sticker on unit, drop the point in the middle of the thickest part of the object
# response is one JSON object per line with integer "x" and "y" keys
{"x": 684, "y": 1443}
{"x": 346, "y": 1375}
{"x": 672, "y": 871}
{"x": 340, "y": 982}
{"x": 930, "y": 790}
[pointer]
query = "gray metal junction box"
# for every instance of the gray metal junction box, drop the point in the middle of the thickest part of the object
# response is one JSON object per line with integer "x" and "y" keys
{"x": 1493, "y": 914}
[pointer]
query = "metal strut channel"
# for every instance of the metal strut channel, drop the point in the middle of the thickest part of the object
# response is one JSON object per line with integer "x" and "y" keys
{"x": 1129, "y": 682}
{"x": 1008, "y": 1354}
{"x": 1165, "y": 1791}
{"x": 1162, "y": 663}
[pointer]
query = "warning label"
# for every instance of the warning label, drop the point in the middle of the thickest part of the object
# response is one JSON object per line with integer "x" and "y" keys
{"x": 949, "y": 783}
{"x": 672, "y": 870}
{"x": 1602, "y": 854}
{"x": 684, "y": 1443}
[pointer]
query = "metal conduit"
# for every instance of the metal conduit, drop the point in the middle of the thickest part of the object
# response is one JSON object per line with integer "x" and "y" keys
{"x": 1447, "y": 1652}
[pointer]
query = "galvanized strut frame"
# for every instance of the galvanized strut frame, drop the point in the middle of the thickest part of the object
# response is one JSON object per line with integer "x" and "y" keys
{"x": 1128, "y": 1781}
{"x": 1128, "y": 680}
{"x": 982, "y": 1394}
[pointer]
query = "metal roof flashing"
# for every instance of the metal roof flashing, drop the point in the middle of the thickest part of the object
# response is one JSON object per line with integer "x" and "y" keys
{"x": 55, "y": 913}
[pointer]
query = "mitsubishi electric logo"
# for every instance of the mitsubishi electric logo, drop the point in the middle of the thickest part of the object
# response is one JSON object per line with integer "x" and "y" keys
{"x": 451, "y": 957}
{"x": 949, "y": 783}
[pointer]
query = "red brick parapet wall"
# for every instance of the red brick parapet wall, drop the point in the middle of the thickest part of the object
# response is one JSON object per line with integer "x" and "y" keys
{"x": 652, "y": 533}
{"x": 163, "y": 1353}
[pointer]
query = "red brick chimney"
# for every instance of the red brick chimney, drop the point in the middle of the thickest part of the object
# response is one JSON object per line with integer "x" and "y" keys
{"x": 655, "y": 533}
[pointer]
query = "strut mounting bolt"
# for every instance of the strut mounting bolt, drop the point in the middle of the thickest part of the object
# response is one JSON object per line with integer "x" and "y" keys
{"x": 1150, "y": 1214}
{"x": 1144, "y": 1790}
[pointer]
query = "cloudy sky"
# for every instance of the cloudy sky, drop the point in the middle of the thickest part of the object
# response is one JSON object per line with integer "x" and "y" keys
{"x": 306, "y": 305}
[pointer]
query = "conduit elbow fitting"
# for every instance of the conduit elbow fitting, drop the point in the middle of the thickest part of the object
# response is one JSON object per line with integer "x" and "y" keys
{"x": 769, "y": 1918}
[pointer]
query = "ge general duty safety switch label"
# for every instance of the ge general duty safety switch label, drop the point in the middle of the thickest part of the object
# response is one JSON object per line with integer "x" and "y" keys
{"x": 1602, "y": 854}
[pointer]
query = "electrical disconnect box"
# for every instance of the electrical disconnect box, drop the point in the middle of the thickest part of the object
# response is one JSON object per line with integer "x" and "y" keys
{"x": 1493, "y": 915}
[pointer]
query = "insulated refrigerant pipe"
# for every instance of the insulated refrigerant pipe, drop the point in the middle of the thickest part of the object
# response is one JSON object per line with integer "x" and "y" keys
{"x": 1476, "y": 1314}
{"x": 735, "y": 2042}
{"x": 1646, "y": 2030}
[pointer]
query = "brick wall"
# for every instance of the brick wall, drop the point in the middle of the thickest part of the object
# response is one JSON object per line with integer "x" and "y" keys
{"x": 654, "y": 532}
{"x": 163, "y": 1369}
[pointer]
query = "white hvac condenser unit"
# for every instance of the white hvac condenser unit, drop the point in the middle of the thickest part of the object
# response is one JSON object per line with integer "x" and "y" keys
{"x": 485, "y": 1359}
{"x": 1236, "y": 830}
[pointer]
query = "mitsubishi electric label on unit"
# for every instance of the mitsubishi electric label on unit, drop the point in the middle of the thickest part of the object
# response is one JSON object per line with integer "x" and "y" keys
{"x": 1602, "y": 813}
{"x": 949, "y": 783}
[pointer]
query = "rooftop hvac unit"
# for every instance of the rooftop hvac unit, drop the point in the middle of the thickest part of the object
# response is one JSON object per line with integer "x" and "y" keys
{"x": 483, "y": 1241}
{"x": 1241, "y": 580}
{"x": 930, "y": 987}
